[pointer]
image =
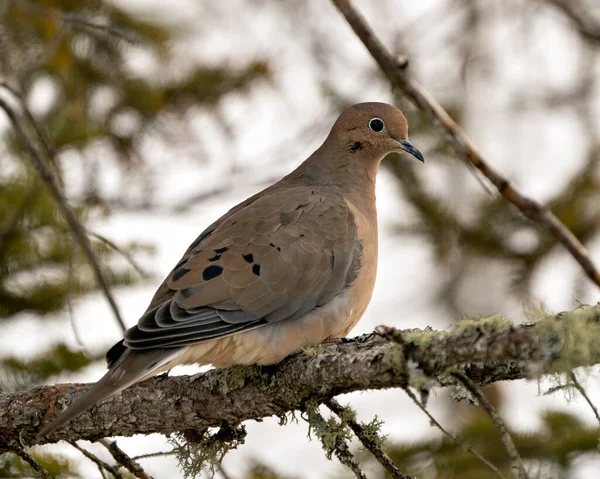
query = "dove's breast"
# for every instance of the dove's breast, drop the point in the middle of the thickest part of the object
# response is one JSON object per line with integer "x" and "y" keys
{"x": 359, "y": 292}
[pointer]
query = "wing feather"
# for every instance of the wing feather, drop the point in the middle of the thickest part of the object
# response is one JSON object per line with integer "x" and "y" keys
{"x": 276, "y": 259}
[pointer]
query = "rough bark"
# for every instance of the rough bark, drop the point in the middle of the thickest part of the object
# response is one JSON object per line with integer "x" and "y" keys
{"x": 485, "y": 350}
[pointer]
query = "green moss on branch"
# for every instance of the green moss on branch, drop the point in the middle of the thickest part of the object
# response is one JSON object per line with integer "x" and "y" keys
{"x": 485, "y": 350}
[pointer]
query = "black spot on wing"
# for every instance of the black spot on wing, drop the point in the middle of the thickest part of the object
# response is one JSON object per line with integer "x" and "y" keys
{"x": 216, "y": 257}
{"x": 180, "y": 273}
{"x": 211, "y": 272}
{"x": 249, "y": 258}
{"x": 256, "y": 269}
{"x": 181, "y": 263}
{"x": 200, "y": 238}
{"x": 221, "y": 250}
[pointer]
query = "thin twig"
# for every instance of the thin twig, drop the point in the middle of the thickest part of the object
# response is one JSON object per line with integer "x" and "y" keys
{"x": 102, "y": 472}
{"x": 367, "y": 441}
{"x": 76, "y": 228}
{"x": 581, "y": 390}
{"x": 397, "y": 73}
{"x": 153, "y": 454}
{"x": 122, "y": 458}
{"x": 555, "y": 389}
{"x": 37, "y": 129}
{"x": 36, "y": 466}
{"x": 77, "y": 21}
{"x": 134, "y": 264}
{"x": 464, "y": 446}
{"x": 78, "y": 338}
{"x": 340, "y": 448}
{"x": 498, "y": 424}
{"x": 223, "y": 472}
{"x": 96, "y": 460}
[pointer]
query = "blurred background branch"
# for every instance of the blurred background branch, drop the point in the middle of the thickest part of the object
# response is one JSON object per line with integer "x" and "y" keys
{"x": 465, "y": 148}
{"x": 498, "y": 422}
{"x": 367, "y": 435}
{"x": 156, "y": 118}
{"x": 78, "y": 231}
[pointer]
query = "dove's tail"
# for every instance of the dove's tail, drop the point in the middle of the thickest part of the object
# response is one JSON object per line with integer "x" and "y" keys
{"x": 132, "y": 367}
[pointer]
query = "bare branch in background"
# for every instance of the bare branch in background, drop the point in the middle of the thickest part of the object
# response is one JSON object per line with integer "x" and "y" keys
{"x": 367, "y": 440}
{"x": 102, "y": 466}
{"x": 77, "y": 22}
{"x": 397, "y": 73}
{"x": 29, "y": 459}
{"x": 223, "y": 473}
{"x": 153, "y": 454}
{"x": 334, "y": 442}
{"x": 41, "y": 136}
{"x": 182, "y": 206}
{"x": 465, "y": 447}
{"x": 41, "y": 165}
{"x": 485, "y": 350}
{"x": 71, "y": 284}
{"x": 122, "y": 458}
{"x": 586, "y": 25}
{"x": 498, "y": 424}
{"x": 130, "y": 259}
{"x": 581, "y": 390}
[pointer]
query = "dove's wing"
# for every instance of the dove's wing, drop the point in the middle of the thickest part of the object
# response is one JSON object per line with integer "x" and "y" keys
{"x": 278, "y": 258}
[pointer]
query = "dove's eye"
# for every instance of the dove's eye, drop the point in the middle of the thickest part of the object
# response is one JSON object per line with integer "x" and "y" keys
{"x": 376, "y": 124}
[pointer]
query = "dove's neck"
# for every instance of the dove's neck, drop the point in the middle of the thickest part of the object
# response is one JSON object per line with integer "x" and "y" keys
{"x": 353, "y": 174}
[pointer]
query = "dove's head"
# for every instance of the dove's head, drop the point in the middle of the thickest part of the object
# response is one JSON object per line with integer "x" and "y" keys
{"x": 371, "y": 131}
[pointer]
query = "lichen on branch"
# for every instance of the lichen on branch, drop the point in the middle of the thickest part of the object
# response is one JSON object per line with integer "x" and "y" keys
{"x": 485, "y": 350}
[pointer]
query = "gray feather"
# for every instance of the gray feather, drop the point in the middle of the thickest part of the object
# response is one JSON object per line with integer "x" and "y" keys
{"x": 132, "y": 367}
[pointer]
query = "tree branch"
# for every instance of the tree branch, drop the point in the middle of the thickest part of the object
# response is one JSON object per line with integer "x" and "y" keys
{"x": 400, "y": 78}
{"x": 122, "y": 458}
{"x": 29, "y": 459}
{"x": 37, "y": 129}
{"x": 465, "y": 447}
{"x": 485, "y": 350}
{"x": 77, "y": 229}
{"x": 77, "y": 22}
{"x": 128, "y": 257}
{"x": 333, "y": 441}
{"x": 371, "y": 442}
{"x": 498, "y": 423}
{"x": 581, "y": 390}
{"x": 101, "y": 464}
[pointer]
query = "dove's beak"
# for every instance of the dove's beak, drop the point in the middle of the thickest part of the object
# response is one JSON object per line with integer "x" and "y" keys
{"x": 410, "y": 149}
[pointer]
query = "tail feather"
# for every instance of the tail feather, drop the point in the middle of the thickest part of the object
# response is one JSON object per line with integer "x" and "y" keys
{"x": 131, "y": 368}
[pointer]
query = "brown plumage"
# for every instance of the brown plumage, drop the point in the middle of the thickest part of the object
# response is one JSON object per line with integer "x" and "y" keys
{"x": 292, "y": 265}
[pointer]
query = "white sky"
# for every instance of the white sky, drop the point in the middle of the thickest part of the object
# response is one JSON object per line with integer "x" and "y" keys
{"x": 540, "y": 152}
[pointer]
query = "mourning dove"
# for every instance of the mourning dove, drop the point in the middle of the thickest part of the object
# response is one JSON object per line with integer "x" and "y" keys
{"x": 291, "y": 266}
